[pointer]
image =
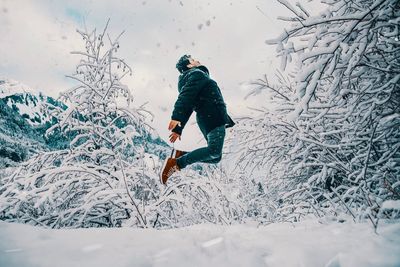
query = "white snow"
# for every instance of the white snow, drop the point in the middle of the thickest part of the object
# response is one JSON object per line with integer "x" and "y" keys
{"x": 308, "y": 243}
{"x": 32, "y": 107}
{"x": 30, "y": 110}
{"x": 391, "y": 204}
{"x": 11, "y": 87}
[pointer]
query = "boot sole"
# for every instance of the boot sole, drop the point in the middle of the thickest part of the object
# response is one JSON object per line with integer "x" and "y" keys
{"x": 162, "y": 170}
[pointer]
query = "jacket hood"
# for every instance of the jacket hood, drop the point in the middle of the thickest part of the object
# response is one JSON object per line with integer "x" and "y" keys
{"x": 201, "y": 67}
{"x": 204, "y": 68}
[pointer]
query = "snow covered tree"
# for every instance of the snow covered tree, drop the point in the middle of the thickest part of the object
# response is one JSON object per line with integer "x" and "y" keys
{"x": 347, "y": 95}
{"x": 94, "y": 181}
{"x": 336, "y": 136}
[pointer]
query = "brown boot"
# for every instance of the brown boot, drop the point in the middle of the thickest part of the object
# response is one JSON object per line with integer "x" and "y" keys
{"x": 169, "y": 168}
{"x": 178, "y": 153}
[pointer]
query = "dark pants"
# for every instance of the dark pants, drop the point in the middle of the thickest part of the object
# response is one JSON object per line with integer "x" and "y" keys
{"x": 210, "y": 154}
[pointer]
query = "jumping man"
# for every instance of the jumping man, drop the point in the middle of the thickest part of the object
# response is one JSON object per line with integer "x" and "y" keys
{"x": 199, "y": 93}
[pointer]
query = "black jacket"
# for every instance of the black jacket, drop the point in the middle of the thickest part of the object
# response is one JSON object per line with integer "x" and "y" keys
{"x": 199, "y": 93}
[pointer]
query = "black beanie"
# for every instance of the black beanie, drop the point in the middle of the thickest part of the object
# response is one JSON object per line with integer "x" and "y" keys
{"x": 182, "y": 63}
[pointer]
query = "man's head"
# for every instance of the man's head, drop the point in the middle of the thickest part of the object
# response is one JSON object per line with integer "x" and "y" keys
{"x": 186, "y": 62}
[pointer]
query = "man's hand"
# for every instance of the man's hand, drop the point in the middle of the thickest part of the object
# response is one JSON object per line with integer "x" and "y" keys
{"x": 173, "y": 136}
{"x": 173, "y": 124}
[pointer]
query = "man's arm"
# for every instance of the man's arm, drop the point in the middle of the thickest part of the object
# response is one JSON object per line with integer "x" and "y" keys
{"x": 183, "y": 107}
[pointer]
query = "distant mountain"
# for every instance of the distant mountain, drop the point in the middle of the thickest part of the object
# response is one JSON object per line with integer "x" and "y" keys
{"x": 24, "y": 119}
{"x": 31, "y": 105}
{"x": 10, "y": 87}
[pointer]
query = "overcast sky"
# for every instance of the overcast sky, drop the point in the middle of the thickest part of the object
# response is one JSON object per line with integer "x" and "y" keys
{"x": 36, "y": 38}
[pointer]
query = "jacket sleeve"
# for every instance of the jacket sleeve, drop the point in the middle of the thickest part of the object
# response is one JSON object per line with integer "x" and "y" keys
{"x": 186, "y": 101}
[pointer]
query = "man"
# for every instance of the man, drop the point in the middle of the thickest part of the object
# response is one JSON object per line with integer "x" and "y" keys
{"x": 199, "y": 93}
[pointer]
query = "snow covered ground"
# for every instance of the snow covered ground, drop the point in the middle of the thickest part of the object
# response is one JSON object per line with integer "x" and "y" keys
{"x": 304, "y": 244}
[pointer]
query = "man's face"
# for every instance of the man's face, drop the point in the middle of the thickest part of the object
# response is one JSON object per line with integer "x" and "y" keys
{"x": 193, "y": 63}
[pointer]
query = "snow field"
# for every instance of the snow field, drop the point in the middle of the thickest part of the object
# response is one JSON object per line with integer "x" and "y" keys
{"x": 307, "y": 243}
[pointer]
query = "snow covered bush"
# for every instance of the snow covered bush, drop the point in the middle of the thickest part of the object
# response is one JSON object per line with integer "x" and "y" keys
{"x": 194, "y": 197}
{"x": 261, "y": 147}
{"x": 336, "y": 136}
